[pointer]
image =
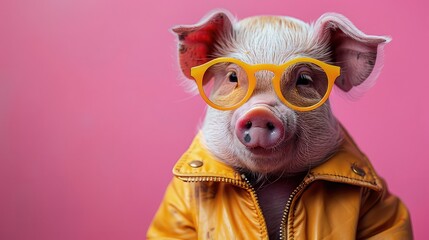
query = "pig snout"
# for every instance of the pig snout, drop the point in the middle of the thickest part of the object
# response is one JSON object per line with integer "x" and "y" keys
{"x": 259, "y": 128}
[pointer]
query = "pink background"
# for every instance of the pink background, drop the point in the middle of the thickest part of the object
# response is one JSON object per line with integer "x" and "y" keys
{"x": 93, "y": 117}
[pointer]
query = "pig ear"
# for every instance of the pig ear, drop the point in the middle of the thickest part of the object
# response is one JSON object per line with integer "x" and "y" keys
{"x": 359, "y": 55}
{"x": 198, "y": 42}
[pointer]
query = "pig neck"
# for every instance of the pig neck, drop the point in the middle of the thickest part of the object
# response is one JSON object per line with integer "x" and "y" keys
{"x": 273, "y": 193}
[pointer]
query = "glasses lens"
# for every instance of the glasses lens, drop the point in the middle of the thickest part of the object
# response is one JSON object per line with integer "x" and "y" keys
{"x": 225, "y": 84}
{"x": 304, "y": 84}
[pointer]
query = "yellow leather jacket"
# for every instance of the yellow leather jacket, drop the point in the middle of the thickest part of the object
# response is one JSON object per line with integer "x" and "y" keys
{"x": 341, "y": 199}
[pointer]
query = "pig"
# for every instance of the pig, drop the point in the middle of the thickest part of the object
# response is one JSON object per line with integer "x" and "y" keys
{"x": 268, "y": 163}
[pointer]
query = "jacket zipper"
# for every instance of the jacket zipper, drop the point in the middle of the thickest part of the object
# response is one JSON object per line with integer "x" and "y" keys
{"x": 255, "y": 196}
{"x": 215, "y": 179}
{"x": 283, "y": 231}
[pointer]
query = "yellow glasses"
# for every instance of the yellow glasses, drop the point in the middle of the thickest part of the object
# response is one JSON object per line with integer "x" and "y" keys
{"x": 302, "y": 84}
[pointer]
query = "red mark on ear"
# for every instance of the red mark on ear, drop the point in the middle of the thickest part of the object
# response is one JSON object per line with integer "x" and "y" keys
{"x": 200, "y": 36}
{"x": 197, "y": 42}
{"x": 201, "y": 50}
{"x": 206, "y": 33}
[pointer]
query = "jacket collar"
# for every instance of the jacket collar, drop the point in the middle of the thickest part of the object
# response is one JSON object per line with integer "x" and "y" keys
{"x": 348, "y": 165}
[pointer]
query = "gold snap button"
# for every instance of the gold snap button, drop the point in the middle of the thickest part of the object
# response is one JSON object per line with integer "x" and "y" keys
{"x": 196, "y": 163}
{"x": 359, "y": 171}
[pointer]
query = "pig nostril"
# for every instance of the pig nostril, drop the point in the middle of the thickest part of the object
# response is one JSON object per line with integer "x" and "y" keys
{"x": 270, "y": 126}
{"x": 259, "y": 128}
{"x": 247, "y": 137}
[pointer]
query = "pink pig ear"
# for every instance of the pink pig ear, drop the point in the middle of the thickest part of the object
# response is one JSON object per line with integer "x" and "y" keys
{"x": 359, "y": 55}
{"x": 198, "y": 42}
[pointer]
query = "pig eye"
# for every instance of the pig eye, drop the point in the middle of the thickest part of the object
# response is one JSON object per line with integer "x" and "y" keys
{"x": 225, "y": 84}
{"x": 304, "y": 80}
{"x": 232, "y": 77}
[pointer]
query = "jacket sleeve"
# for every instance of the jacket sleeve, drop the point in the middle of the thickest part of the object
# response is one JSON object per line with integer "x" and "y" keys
{"x": 174, "y": 219}
{"x": 383, "y": 216}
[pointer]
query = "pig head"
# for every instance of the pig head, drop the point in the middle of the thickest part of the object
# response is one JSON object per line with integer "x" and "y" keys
{"x": 263, "y": 135}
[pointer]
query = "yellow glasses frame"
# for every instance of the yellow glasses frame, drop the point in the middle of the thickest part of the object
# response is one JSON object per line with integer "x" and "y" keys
{"x": 332, "y": 72}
